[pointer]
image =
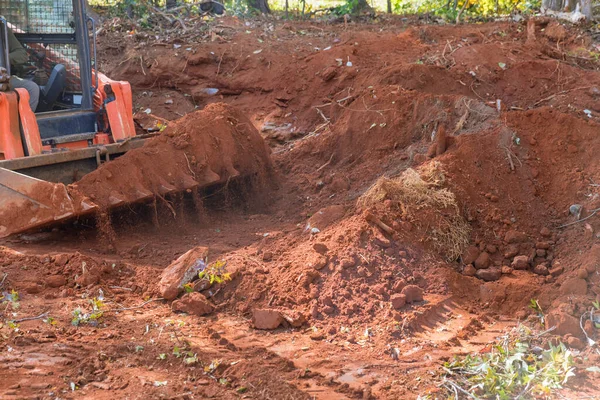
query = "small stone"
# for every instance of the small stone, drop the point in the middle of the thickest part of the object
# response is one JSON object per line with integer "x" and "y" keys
{"x": 469, "y": 270}
{"x": 413, "y": 293}
{"x": 318, "y": 262}
{"x": 490, "y": 248}
{"x": 398, "y": 300}
{"x": 62, "y": 259}
{"x": 267, "y": 256}
{"x": 515, "y": 237}
{"x": 545, "y": 232}
{"x": 574, "y": 286}
{"x": 295, "y": 318}
{"x": 482, "y": 261}
{"x": 379, "y": 289}
{"x": 511, "y": 251}
{"x": 470, "y": 255}
{"x": 542, "y": 245}
{"x": 540, "y": 269}
{"x": 557, "y": 270}
{"x": 266, "y": 318}
{"x": 490, "y": 274}
{"x": 582, "y": 273}
{"x": 506, "y": 270}
{"x": 575, "y": 343}
{"x": 329, "y": 73}
{"x": 399, "y": 285}
{"x": 540, "y": 253}
{"x": 328, "y": 310}
{"x": 575, "y": 210}
{"x": 193, "y": 303}
{"x": 55, "y": 281}
{"x": 347, "y": 262}
{"x": 520, "y": 262}
{"x": 320, "y": 248}
{"x": 590, "y": 268}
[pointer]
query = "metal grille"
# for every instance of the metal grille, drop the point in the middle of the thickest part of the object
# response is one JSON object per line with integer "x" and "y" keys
{"x": 45, "y": 17}
{"x": 39, "y": 16}
{"x": 65, "y": 54}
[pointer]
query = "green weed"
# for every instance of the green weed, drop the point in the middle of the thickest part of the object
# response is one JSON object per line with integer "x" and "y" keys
{"x": 516, "y": 367}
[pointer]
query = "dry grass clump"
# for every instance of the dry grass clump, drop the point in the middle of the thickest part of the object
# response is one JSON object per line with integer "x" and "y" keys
{"x": 423, "y": 201}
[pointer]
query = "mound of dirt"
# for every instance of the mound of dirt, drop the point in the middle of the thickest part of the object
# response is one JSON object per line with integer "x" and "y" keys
{"x": 210, "y": 146}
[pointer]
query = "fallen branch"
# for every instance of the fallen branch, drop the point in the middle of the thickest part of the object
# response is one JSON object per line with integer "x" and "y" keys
{"x": 371, "y": 218}
{"x": 559, "y": 93}
{"x": 580, "y": 220}
{"x": 326, "y": 164}
{"x": 31, "y": 318}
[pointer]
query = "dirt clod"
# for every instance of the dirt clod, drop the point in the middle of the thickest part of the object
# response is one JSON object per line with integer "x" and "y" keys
{"x": 398, "y": 300}
{"x": 266, "y": 319}
{"x": 513, "y": 236}
{"x": 574, "y": 286}
{"x": 469, "y": 270}
{"x": 482, "y": 261}
{"x": 193, "y": 303}
{"x": 490, "y": 274}
{"x": 520, "y": 262}
{"x": 55, "y": 281}
{"x": 413, "y": 293}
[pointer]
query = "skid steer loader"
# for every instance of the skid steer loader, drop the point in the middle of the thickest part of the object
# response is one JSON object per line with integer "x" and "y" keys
{"x": 83, "y": 118}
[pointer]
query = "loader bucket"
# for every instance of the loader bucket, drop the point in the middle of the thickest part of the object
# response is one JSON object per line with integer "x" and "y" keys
{"x": 27, "y": 203}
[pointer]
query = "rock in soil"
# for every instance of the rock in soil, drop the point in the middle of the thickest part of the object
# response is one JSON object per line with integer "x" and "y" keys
{"x": 266, "y": 318}
{"x": 582, "y": 273}
{"x": 413, "y": 293}
{"x": 483, "y": 261}
{"x": 515, "y": 237}
{"x": 520, "y": 262}
{"x": 182, "y": 271}
{"x": 193, "y": 303}
{"x": 575, "y": 343}
{"x": 506, "y": 270}
{"x": 490, "y": 274}
{"x": 565, "y": 323}
{"x": 540, "y": 269}
{"x": 470, "y": 255}
{"x": 556, "y": 270}
{"x": 55, "y": 281}
{"x": 295, "y": 318}
{"x": 574, "y": 286}
{"x": 398, "y": 300}
{"x": 469, "y": 270}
